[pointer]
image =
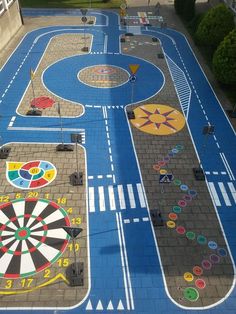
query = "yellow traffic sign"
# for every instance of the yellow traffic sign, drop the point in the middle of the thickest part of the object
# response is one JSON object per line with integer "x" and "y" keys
{"x": 133, "y": 68}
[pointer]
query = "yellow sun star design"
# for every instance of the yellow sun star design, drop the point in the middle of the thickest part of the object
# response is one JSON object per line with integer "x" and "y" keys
{"x": 158, "y": 119}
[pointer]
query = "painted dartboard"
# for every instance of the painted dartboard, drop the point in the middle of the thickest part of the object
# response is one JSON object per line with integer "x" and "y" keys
{"x": 30, "y": 175}
{"x": 31, "y": 236}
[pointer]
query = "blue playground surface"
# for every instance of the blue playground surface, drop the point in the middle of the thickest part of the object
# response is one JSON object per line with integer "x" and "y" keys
{"x": 129, "y": 280}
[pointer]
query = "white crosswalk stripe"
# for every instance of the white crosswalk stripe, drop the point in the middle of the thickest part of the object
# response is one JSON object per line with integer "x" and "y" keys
{"x": 223, "y": 193}
{"x": 120, "y": 197}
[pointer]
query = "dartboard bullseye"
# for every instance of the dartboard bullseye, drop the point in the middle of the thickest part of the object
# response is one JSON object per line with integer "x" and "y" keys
{"x": 30, "y": 175}
{"x": 31, "y": 236}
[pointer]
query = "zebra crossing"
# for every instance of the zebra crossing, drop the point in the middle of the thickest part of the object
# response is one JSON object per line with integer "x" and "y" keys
{"x": 223, "y": 193}
{"x": 119, "y": 197}
{"x": 181, "y": 85}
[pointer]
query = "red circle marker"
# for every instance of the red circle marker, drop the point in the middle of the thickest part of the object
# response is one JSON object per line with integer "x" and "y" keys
{"x": 200, "y": 283}
{"x": 180, "y": 230}
{"x": 182, "y": 203}
{"x": 162, "y": 163}
{"x": 206, "y": 264}
{"x": 197, "y": 270}
{"x": 173, "y": 216}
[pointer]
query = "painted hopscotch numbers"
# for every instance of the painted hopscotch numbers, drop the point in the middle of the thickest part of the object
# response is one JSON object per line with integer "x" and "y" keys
{"x": 30, "y": 175}
{"x": 31, "y": 236}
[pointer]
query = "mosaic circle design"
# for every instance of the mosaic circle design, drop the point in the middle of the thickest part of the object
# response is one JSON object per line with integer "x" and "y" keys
{"x": 197, "y": 270}
{"x": 187, "y": 198}
{"x": 200, "y": 283}
{"x": 180, "y": 230}
{"x": 173, "y": 216}
{"x": 215, "y": 259}
{"x": 182, "y": 203}
{"x": 170, "y": 224}
{"x": 206, "y": 264}
{"x": 222, "y": 252}
{"x": 193, "y": 193}
{"x": 190, "y": 235}
{"x": 31, "y": 236}
{"x": 103, "y": 76}
{"x": 212, "y": 245}
{"x": 191, "y": 294}
{"x": 177, "y": 209}
{"x": 158, "y": 119}
{"x": 201, "y": 240}
{"x": 177, "y": 182}
{"x": 188, "y": 277}
{"x": 30, "y": 175}
{"x": 184, "y": 187}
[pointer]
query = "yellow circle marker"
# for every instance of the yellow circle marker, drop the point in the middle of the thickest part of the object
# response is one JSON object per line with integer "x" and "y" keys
{"x": 158, "y": 119}
{"x": 163, "y": 171}
{"x": 170, "y": 224}
{"x": 188, "y": 277}
{"x": 34, "y": 170}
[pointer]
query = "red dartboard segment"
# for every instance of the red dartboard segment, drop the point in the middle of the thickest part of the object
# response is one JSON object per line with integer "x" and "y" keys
{"x": 31, "y": 164}
{"x": 33, "y": 240}
{"x": 38, "y": 183}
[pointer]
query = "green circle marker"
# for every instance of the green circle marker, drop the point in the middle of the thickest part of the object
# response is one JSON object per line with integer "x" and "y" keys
{"x": 191, "y": 294}
{"x": 177, "y": 209}
{"x": 177, "y": 182}
{"x": 190, "y": 235}
{"x": 201, "y": 239}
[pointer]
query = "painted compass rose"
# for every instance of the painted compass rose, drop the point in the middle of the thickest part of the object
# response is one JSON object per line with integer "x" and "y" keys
{"x": 158, "y": 119}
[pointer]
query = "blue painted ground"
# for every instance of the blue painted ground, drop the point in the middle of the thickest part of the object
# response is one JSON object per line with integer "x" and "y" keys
{"x": 108, "y": 270}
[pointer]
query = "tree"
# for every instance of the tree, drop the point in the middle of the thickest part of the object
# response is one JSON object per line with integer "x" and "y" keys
{"x": 189, "y": 10}
{"x": 224, "y": 60}
{"x": 215, "y": 25}
{"x": 179, "y": 6}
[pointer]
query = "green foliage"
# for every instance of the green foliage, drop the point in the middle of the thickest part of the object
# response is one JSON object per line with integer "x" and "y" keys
{"x": 215, "y": 25}
{"x": 224, "y": 60}
{"x": 189, "y": 10}
{"x": 179, "y": 6}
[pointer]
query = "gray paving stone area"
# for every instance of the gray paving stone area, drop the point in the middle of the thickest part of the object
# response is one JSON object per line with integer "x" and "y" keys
{"x": 179, "y": 252}
{"x": 49, "y": 287}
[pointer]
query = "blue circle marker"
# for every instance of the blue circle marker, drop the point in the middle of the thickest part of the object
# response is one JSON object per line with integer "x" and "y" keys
{"x": 184, "y": 187}
{"x": 212, "y": 245}
{"x": 174, "y": 151}
{"x": 193, "y": 193}
{"x": 222, "y": 252}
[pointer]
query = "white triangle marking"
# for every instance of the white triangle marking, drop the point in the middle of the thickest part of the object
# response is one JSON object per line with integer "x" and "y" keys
{"x": 99, "y": 305}
{"x": 120, "y": 306}
{"x": 110, "y": 306}
{"x": 89, "y": 306}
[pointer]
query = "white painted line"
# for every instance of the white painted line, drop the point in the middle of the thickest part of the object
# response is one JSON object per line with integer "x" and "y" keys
{"x": 126, "y": 262}
{"x": 145, "y": 218}
{"x": 121, "y": 196}
{"x": 13, "y": 118}
{"x": 10, "y": 124}
{"x": 215, "y": 172}
{"x": 140, "y": 195}
{"x": 126, "y": 221}
{"x": 111, "y": 160}
{"x": 131, "y": 196}
{"x": 105, "y": 44}
{"x": 91, "y": 200}
{"x": 112, "y": 167}
{"x": 111, "y": 197}
{"x": 101, "y": 198}
{"x": 107, "y": 129}
{"x": 228, "y": 169}
{"x": 223, "y": 172}
{"x": 224, "y": 194}
{"x": 44, "y": 129}
{"x": 109, "y": 150}
{"x": 232, "y": 190}
{"x": 90, "y": 177}
{"x": 207, "y": 172}
{"x": 114, "y": 179}
{"x": 214, "y": 194}
{"x": 123, "y": 263}
{"x": 136, "y": 220}
{"x": 109, "y": 175}
{"x": 109, "y": 142}
{"x": 108, "y": 135}
{"x": 100, "y": 176}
